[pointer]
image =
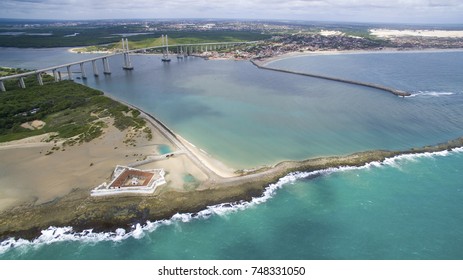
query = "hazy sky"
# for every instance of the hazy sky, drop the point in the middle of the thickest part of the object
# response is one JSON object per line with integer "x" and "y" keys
{"x": 392, "y": 11}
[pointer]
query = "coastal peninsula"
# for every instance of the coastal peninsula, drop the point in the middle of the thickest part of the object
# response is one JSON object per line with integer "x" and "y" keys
{"x": 60, "y": 182}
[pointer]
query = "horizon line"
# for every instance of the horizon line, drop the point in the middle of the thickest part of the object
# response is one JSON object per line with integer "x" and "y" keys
{"x": 233, "y": 19}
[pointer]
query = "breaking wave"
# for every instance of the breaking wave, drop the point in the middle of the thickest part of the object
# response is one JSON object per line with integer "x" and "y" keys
{"x": 60, "y": 234}
{"x": 431, "y": 94}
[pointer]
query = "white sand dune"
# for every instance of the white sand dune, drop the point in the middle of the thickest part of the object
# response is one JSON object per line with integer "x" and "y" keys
{"x": 390, "y": 33}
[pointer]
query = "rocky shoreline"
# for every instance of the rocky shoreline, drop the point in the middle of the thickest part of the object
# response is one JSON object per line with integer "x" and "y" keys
{"x": 106, "y": 214}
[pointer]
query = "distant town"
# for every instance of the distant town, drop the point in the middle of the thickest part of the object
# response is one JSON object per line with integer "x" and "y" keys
{"x": 272, "y": 37}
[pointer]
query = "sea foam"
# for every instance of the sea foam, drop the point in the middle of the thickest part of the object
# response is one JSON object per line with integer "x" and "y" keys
{"x": 431, "y": 94}
{"x": 60, "y": 234}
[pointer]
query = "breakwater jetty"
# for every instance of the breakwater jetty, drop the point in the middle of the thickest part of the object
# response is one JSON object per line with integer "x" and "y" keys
{"x": 394, "y": 91}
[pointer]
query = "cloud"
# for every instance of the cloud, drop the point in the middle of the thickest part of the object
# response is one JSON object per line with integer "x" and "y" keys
{"x": 350, "y": 10}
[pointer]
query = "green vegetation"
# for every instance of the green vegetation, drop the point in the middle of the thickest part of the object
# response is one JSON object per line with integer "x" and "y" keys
{"x": 177, "y": 37}
{"x": 70, "y": 111}
{"x": 109, "y": 34}
{"x": 61, "y": 36}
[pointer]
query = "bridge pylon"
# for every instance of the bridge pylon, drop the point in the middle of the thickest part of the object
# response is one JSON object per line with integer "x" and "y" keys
{"x": 165, "y": 50}
{"x": 180, "y": 52}
{"x": 106, "y": 69}
{"x": 125, "y": 48}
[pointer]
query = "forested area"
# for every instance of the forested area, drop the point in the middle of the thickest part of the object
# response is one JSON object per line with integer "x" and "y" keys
{"x": 68, "y": 109}
{"x": 89, "y": 35}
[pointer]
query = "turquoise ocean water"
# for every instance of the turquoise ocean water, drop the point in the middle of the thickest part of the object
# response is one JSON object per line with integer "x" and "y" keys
{"x": 405, "y": 208}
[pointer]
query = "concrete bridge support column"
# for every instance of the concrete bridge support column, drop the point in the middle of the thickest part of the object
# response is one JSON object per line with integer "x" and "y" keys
{"x": 69, "y": 72}
{"x": 2, "y": 86}
{"x": 82, "y": 71}
{"x": 95, "y": 68}
{"x": 21, "y": 82}
{"x": 127, "y": 62}
{"x": 180, "y": 53}
{"x": 39, "y": 78}
{"x": 55, "y": 75}
{"x": 106, "y": 70}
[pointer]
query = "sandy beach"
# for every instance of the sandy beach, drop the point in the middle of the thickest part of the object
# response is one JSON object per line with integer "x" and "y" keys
{"x": 82, "y": 50}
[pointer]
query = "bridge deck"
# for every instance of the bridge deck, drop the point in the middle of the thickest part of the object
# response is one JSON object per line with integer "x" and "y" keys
{"x": 35, "y": 72}
{"x": 371, "y": 85}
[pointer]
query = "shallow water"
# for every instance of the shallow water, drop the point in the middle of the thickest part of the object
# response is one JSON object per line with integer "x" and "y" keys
{"x": 164, "y": 149}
